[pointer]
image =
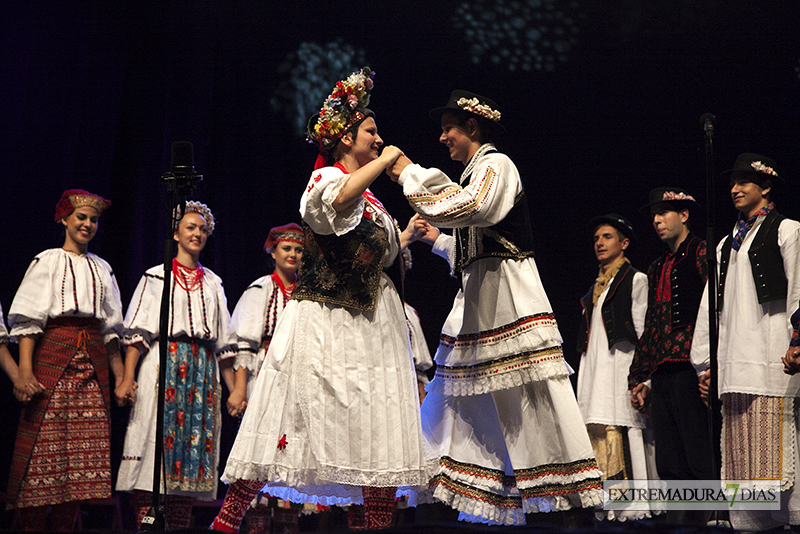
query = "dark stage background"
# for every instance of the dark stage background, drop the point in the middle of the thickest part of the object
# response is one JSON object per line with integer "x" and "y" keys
{"x": 94, "y": 93}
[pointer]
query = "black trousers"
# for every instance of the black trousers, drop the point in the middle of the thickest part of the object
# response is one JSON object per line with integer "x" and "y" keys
{"x": 684, "y": 446}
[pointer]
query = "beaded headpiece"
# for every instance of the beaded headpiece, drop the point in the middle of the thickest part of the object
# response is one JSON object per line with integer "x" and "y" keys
{"x": 344, "y": 107}
{"x": 201, "y": 209}
{"x": 71, "y": 199}
{"x": 288, "y": 232}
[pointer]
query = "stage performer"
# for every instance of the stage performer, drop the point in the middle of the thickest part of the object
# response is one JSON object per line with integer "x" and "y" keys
{"x": 254, "y": 319}
{"x": 66, "y": 317}
{"x": 334, "y": 417}
{"x": 10, "y": 367}
{"x": 661, "y": 374}
{"x": 613, "y": 320}
{"x": 500, "y": 411}
{"x": 260, "y": 308}
{"x": 199, "y": 335}
{"x": 758, "y": 291}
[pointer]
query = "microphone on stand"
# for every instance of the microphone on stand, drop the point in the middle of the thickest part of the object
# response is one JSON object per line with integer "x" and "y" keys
{"x": 182, "y": 172}
{"x": 707, "y": 120}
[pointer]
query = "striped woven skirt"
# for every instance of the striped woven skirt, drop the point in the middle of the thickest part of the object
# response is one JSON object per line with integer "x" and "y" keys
{"x": 62, "y": 450}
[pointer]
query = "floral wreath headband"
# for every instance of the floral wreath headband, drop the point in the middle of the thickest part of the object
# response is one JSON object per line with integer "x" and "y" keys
{"x": 202, "y": 210}
{"x": 473, "y": 105}
{"x": 672, "y": 195}
{"x": 344, "y": 107}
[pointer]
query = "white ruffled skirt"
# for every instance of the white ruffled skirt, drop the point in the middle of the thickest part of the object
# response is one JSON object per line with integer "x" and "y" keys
{"x": 335, "y": 406}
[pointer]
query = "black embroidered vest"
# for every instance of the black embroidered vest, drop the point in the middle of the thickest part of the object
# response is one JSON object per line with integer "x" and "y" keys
{"x": 616, "y": 310}
{"x": 686, "y": 283}
{"x": 343, "y": 270}
{"x": 766, "y": 262}
{"x": 510, "y": 238}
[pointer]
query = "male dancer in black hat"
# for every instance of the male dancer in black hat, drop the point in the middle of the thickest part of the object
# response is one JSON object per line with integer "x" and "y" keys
{"x": 613, "y": 320}
{"x": 759, "y": 289}
{"x": 500, "y": 411}
{"x": 661, "y": 367}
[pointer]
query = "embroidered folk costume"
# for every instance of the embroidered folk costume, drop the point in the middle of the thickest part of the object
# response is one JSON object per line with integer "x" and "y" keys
{"x": 199, "y": 335}
{"x": 500, "y": 411}
{"x": 70, "y": 303}
{"x": 334, "y": 416}
{"x": 613, "y": 320}
{"x": 260, "y": 307}
{"x": 758, "y": 291}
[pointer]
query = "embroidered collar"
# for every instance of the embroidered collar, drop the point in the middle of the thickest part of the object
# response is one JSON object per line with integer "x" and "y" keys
{"x": 473, "y": 162}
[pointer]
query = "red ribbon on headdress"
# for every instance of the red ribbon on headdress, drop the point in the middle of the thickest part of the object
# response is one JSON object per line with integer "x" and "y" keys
{"x": 322, "y": 161}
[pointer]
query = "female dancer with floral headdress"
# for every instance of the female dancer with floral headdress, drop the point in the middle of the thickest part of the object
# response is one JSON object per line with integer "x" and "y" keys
{"x": 65, "y": 317}
{"x": 254, "y": 319}
{"x": 334, "y": 416}
{"x": 199, "y": 334}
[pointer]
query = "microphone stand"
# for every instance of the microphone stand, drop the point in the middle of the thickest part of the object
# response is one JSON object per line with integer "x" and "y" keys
{"x": 711, "y": 257}
{"x": 180, "y": 184}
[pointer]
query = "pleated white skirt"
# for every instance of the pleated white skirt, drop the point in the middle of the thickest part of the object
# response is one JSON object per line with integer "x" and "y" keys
{"x": 335, "y": 406}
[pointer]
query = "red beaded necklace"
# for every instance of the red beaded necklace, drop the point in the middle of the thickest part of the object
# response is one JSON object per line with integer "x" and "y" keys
{"x": 187, "y": 278}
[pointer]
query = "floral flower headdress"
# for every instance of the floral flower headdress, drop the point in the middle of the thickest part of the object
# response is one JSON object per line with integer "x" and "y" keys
{"x": 71, "y": 199}
{"x": 201, "y": 209}
{"x": 342, "y": 109}
{"x": 672, "y": 195}
{"x": 749, "y": 163}
{"x": 760, "y": 167}
{"x": 481, "y": 107}
{"x": 473, "y": 105}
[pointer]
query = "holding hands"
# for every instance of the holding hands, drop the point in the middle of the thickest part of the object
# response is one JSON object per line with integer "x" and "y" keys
{"x": 125, "y": 391}
{"x": 791, "y": 361}
{"x": 397, "y": 167}
{"x": 640, "y": 398}
{"x": 25, "y": 387}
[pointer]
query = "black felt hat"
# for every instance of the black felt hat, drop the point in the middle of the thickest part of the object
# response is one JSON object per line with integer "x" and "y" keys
{"x": 481, "y": 107}
{"x": 749, "y": 163}
{"x": 676, "y": 198}
{"x": 616, "y": 220}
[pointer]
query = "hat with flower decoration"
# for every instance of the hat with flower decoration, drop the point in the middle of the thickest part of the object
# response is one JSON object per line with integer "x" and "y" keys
{"x": 288, "y": 232}
{"x": 71, "y": 199}
{"x": 202, "y": 210}
{"x": 675, "y": 198}
{"x": 474, "y": 104}
{"x": 343, "y": 108}
{"x": 763, "y": 167}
